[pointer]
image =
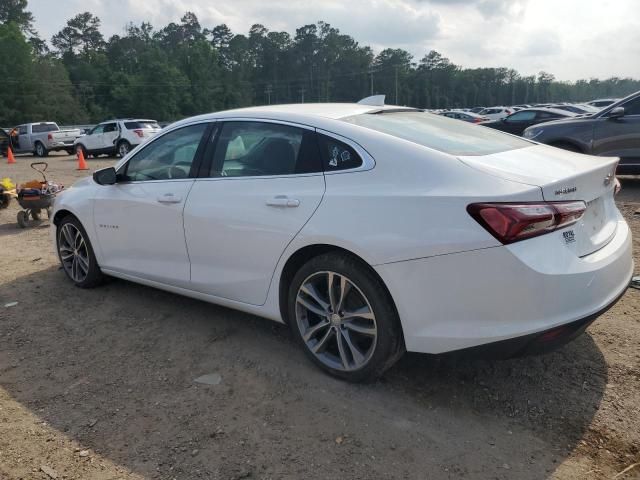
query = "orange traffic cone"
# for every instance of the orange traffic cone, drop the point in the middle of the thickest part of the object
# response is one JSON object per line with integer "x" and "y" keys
{"x": 10, "y": 157}
{"x": 82, "y": 164}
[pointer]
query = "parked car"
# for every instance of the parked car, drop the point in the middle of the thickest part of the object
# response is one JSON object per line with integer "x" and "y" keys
{"x": 614, "y": 131}
{"x": 116, "y": 136}
{"x": 465, "y": 116}
{"x": 476, "y": 109}
{"x": 354, "y": 224}
{"x": 4, "y": 141}
{"x": 42, "y": 138}
{"x": 576, "y": 108}
{"x": 603, "y": 102}
{"x": 516, "y": 123}
{"x": 496, "y": 113}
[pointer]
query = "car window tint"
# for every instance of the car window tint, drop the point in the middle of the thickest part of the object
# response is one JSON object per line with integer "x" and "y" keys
{"x": 250, "y": 149}
{"x": 43, "y": 127}
{"x": 168, "y": 157}
{"x": 632, "y": 107}
{"x": 141, "y": 124}
{"x": 110, "y": 127}
{"x": 337, "y": 155}
{"x": 440, "y": 133}
{"x": 547, "y": 115}
{"x": 523, "y": 116}
{"x": 22, "y": 130}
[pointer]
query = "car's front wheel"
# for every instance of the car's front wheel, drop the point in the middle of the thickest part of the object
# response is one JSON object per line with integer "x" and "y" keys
{"x": 344, "y": 318}
{"x": 41, "y": 151}
{"x": 76, "y": 254}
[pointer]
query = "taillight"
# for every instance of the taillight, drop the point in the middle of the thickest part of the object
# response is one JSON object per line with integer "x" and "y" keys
{"x": 477, "y": 120}
{"x": 50, "y": 137}
{"x": 512, "y": 222}
{"x": 140, "y": 133}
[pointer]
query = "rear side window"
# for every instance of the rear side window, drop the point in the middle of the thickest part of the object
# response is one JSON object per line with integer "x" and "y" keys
{"x": 44, "y": 127}
{"x": 337, "y": 155}
{"x": 110, "y": 127}
{"x": 440, "y": 133}
{"x": 141, "y": 124}
{"x": 254, "y": 149}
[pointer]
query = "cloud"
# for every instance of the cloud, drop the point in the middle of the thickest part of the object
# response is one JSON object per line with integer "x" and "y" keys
{"x": 558, "y": 36}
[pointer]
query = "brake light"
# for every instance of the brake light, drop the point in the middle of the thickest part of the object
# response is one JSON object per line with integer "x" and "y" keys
{"x": 140, "y": 133}
{"x": 477, "y": 120}
{"x": 512, "y": 222}
{"x": 50, "y": 137}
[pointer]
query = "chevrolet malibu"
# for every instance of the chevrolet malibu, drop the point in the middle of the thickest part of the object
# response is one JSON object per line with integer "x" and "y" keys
{"x": 370, "y": 230}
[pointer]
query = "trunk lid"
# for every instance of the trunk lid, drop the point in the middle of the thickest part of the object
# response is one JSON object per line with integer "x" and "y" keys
{"x": 563, "y": 176}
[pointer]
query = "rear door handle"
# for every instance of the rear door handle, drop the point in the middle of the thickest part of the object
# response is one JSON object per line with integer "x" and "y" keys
{"x": 282, "y": 201}
{"x": 169, "y": 198}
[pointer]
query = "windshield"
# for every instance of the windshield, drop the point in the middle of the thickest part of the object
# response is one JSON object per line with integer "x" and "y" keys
{"x": 440, "y": 133}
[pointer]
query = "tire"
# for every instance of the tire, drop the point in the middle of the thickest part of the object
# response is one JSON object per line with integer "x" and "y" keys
{"x": 76, "y": 254}
{"x": 69, "y": 151}
{"x": 35, "y": 214}
{"x": 5, "y": 200}
{"x": 23, "y": 219}
{"x": 41, "y": 150}
{"x": 359, "y": 341}
{"x": 123, "y": 148}
{"x": 80, "y": 147}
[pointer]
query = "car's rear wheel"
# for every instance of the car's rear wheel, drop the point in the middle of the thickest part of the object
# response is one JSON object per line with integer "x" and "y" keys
{"x": 124, "y": 148}
{"x": 76, "y": 254}
{"x": 344, "y": 318}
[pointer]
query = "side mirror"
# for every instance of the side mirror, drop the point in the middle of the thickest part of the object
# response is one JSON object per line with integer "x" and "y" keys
{"x": 106, "y": 176}
{"x": 617, "y": 112}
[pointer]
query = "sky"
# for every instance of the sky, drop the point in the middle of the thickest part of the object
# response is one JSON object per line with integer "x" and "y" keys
{"x": 570, "y": 38}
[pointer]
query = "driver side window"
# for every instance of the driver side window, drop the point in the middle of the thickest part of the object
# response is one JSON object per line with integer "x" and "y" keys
{"x": 168, "y": 157}
{"x": 97, "y": 130}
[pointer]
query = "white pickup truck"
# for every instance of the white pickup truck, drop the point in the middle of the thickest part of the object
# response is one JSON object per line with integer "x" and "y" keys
{"x": 42, "y": 138}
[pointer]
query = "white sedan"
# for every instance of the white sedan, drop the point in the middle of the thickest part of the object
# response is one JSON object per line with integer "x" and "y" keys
{"x": 369, "y": 229}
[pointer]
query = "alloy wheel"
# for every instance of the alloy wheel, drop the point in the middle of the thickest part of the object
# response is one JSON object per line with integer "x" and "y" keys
{"x": 74, "y": 252}
{"x": 336, "y": 321}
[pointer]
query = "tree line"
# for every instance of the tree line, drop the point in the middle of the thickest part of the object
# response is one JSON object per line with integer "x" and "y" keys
{"x": 184, "y": 69}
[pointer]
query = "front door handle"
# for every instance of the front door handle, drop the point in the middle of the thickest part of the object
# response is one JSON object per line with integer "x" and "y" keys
{"x": 282, "y": 201}
{"x": 169, "y": 198}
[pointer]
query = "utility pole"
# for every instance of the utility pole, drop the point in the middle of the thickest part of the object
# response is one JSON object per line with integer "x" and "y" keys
{"x": 268, "y": 91}
{"x": 396, "y": 68}
{"x": 301, "y": 92}
{"x": 371, "y": 73}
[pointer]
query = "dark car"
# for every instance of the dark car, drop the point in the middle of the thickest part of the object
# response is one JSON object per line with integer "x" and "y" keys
{"x": 516, "y": 123}
{"x": 612, "y": 132}
{"x": 4, "y": 141}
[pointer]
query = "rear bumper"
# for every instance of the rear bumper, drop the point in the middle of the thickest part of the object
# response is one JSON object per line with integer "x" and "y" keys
{"x": 463, "y": 300}
{"x": 536, "y": 343}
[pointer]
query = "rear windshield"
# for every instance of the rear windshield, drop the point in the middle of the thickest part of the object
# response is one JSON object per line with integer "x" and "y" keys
{"x": 44, "y": 127}
{"x": 141, "y": 124}
{"x": 440, "y": 133}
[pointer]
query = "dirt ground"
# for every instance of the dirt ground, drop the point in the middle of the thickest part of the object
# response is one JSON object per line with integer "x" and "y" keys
{"x": 99, "y": 384}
